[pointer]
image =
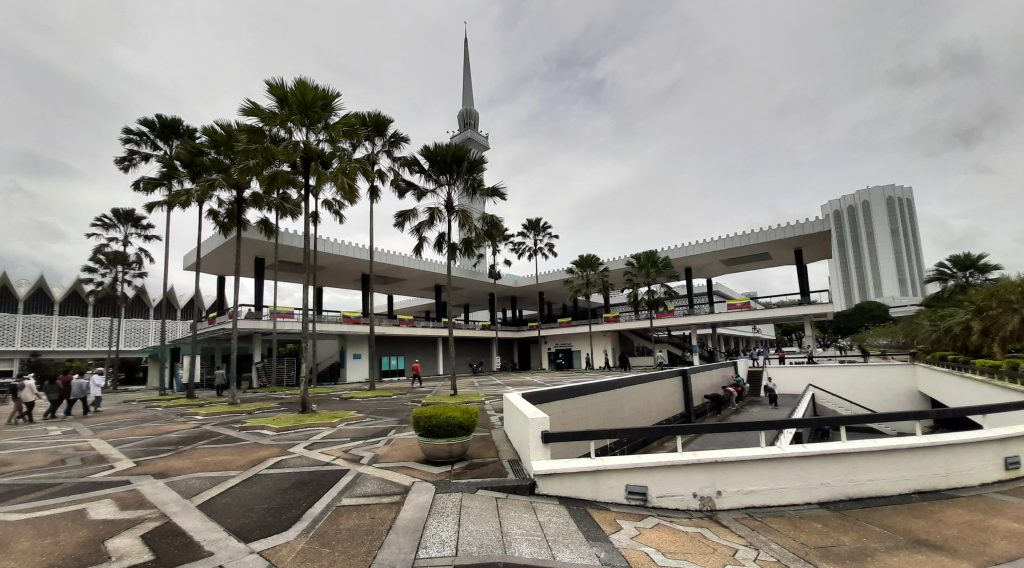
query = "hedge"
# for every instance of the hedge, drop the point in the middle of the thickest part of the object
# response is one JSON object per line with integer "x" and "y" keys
{"x": 941, "y": 356}
{"x": 1012, "y": 365}
{"x": 445, "y": 421}
{"x": 962, "y": 360}
{"x": 988, "y": 364}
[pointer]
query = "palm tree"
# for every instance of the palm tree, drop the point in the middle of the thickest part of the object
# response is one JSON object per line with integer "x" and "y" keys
{"x": 450, "y": 177}
{"x": 587, "y": 275}
{"x": 121, "y": 233}
{"x": 961, "y": 271}
{"x": 645, "y": 283}
{"x": 495, "y": 238}
{"x": 302, "y": 118}
{"x": 378, "y": 152}
{"x": 534, "y": 242}
{"x": 231, "y": 176}
{"x": 100, "y": 275}
{"x": 998, "y": 316}
{"x": 155, "y": 140}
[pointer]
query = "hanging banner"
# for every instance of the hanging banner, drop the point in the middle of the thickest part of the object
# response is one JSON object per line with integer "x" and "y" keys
{"x": 406, "y": 321}
{"x": 351, "y": 317}
{"x": 613, "y": 317}
{"x": 565, "y": 322}
{"x": 531, "y": 325}
{"x": 669, "y": 312}
{"x": 737, "y": 304}
{"x": 282, "y": 313}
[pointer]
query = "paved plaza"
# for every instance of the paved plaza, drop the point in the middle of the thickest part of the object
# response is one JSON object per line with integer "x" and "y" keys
{"x": 140, "y": 486}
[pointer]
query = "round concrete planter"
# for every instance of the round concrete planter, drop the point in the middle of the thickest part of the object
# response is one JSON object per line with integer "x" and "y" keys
{"x": 445, "y": 450}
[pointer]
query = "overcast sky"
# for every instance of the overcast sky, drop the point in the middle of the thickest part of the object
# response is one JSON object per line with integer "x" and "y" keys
{"x": 627, "y": 125}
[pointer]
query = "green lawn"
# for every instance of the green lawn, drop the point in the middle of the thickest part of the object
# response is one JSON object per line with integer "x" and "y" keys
{"x": 293, "y": 390}
{"x": 184, "y": 402}
{"x": 238, "y": 408}
{"x": 325, "y": 417}
{"x": 159, "y": 398}
{"x": 368, "y": 394}
{"x": 449, "y": 399}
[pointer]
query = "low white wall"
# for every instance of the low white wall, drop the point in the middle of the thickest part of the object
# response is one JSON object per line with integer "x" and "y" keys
{"x": 806, "y": 473}
{"x": 953, "y": 389}
{"x": 523, "y": 423}
{"x": 709, "y": 381}
{"x": 881, "y": 387}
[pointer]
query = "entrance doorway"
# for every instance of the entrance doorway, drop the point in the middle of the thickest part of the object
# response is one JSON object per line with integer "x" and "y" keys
{"x": 565, "y": 357}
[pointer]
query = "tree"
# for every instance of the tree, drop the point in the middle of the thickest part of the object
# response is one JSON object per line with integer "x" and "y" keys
{"x": 587, "y": 275}
{"x": 121, "y": 233}
{"x": 998, "y": 316}
{"x": 100, "y": 276}
{"x": 231, "y": 176}
{"x": 849, "y": 322}
{"x": 960, "y": 272}
{"x": 645, "y": 283}
{"x": 378, "y": 152}
{"x": 494, "y": 241}
{"x": 444, "y": 179}
{"x": 302, "y": 119}
{"x": 535, "y": 241}
{"x": 792, "y": 333}
{"x": 155, "y": 140}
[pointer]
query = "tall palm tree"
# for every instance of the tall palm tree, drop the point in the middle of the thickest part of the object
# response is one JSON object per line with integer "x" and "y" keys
{"x": 445, "y": 179}
{"x": 645, "y": 281}
{"x": 377, "y": 150}
{"x": 100, "y": 276}
{"x": 587, "y": 276}
{"x": 535, "y": 241}
{"x": 961, "y": 271}
{"x": 998, "y": 316}
{"x": 495, "y": 238}
{"x": 302, "y": 118}
{"x": 155, "y": 140}
{"x": 231, "y": 176}
{"x": 121, "y": 234}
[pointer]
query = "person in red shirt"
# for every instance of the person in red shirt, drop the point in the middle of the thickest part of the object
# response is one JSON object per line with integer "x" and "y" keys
{"x": 416, "y": 374}
{"x": 65, "y": 388}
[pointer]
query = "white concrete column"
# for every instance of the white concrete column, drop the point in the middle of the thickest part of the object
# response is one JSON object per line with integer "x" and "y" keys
{"x": 257, "y": 356}
{"x": 440, "y": 355}
{"x": 809, "y": 334}
{"x": 694, "y": 345}
{"x": 494, "y": 353}
{"x": 218, "y": 355}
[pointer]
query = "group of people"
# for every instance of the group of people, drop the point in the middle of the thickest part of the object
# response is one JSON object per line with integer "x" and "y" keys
{"x": 24, "y": 392}
{"x": 735, "y": 392}
{"x": 763, "y": 357}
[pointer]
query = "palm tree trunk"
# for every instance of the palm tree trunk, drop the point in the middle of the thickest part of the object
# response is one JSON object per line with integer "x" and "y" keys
{"x": 190, "y": 390}
{"x": 110, "y": 341}
{"x": 273, "y": 320}
{"x": 233, "y": 377}
{"x": 304, "y": 383}
{"x": 448, "y": 296}
{"x": 497, "y": 346}
{"x": 590, "y": 331}
{"x": 163, "y": 293}
{"x": 372, "y": 345}
{"x": 540, "y": 311}
{"x": 316, "y": 270}
{"x": 117, "y": 339}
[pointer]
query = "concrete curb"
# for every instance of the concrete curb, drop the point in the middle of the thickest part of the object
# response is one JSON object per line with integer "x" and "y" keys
{"x": 399, "y": 548}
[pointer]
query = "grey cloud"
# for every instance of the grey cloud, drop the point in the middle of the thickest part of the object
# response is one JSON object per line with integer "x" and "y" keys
{"x": 22, "y": 161}
{"x": 954, "y": 60}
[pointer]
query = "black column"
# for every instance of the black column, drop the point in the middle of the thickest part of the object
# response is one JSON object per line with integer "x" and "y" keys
{"x": 318, "y": 300}
{"x": 364, "y": 282}
{"x": 444, "y": 311}
{"x": 221, "y": 305}
{"x": 520, "y": 317}
{"x": 565, "y": 311}
{"x": 801, "y": 276}
{"x": 710, "y": 288}
{"x": 540, "y": 307}
{"x": 391, "y": 306}
{"x": 517, "y": 315}
{"x": 465, "y": 314}
{"x": 576, "y": 309}
{"x": 492, "y": 308}
{"x": 426, "y": 315}
{"x": 551, "y": 311}
{"x": 688, "y": 273}
{"x": 259, "y": 269}
{"x": 504, "y": 316}
{"x": 607, "y": 303}
{"x": 438, "y": 301}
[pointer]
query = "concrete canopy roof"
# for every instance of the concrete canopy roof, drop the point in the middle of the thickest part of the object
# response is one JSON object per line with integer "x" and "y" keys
{"x": 341, "y": 264}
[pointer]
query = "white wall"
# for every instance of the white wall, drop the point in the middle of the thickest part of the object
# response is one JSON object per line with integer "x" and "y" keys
{"x": 954, "y": 389}
{"x": 523, "y": 424}
{"x": 581, "y": 342}
{"x": 355, "y": 369}
{"x": 882, "y": 387}
{"x": 814, "y": 473}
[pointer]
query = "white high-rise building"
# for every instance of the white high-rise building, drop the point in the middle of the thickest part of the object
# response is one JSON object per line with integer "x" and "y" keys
{"x": 876, "y": 247}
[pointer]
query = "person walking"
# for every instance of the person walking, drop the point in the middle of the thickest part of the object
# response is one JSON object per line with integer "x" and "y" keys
{"x": 623, "y": 362}
{"x": 97, "y": 381}
{"x": 64, "y": 381}
{"x": 14, "y": 390}
{"x": 587, "y": 363}
{"x": 753, "y": 357}
{"x": 781, "y": 353}
{"x": 771, "y": 390}
{"x": 54, "y": 395}
{"x": 416, "y": 374}
{"x": 79, "y": 392}
{"x": 659, "y": 360}
{"x": 29, "y": 394}
{"x": 864, "y": 353}
{"x": 607, "y": 364}
{"x": 220, "y": 380}
{"x": 766, "y": 356}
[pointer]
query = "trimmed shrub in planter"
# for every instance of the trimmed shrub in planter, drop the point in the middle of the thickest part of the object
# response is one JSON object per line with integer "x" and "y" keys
{"x": 445, "y": 431}
{"x": 962, "y": 360}
{"x": 988, "y": 364}
{"x": 1012, "y": 365}
{"x": 941, "y": 356}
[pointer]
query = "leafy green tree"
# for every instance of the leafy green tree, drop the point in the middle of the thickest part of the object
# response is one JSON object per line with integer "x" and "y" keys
{"x": 846, "y": 323}
{"x": 645, "y": 283}
{"x": 378, "y": 149}
{"x": 495, "y": 239}
{"x": 121, "y": 234}
{"x": 587, "y": 276}
{"x": 792, "y": 333}
{"x": 444, "y": 178}
{"x": 534, "y": 241}
{"x": 303, "y": 121}
{"x": 154, "y": 141}
{"x": 960, "y": 272}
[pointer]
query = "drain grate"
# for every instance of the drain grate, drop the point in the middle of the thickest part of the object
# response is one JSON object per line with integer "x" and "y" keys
{"x": 516, "y": 465}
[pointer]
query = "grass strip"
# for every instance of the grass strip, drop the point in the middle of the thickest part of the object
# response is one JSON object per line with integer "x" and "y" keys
{"x": 449, "y": 399}
{"x": 362, "y": 394}
{"x": 235, "y": 408}
{"x": 285, "y": 420}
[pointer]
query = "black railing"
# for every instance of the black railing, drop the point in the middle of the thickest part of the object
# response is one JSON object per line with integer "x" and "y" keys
{"x": 1011, "y": 377}
{"x": 549, "y": 437}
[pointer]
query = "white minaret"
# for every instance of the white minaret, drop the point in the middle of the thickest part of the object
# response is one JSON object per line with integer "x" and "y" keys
{"x": 469, "y": 134}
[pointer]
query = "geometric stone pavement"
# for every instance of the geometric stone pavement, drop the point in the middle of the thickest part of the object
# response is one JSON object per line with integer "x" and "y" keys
{"x": 136, "y": 486}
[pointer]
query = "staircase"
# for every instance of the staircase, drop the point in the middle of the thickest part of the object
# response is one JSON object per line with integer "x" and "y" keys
{"x": 636, "y": 338}
{"x": 754, "y": 379}
{"x": 841, "y": 407}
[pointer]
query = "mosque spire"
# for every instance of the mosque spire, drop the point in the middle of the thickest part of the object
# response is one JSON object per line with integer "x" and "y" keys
{"x": 469, "y": 118}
